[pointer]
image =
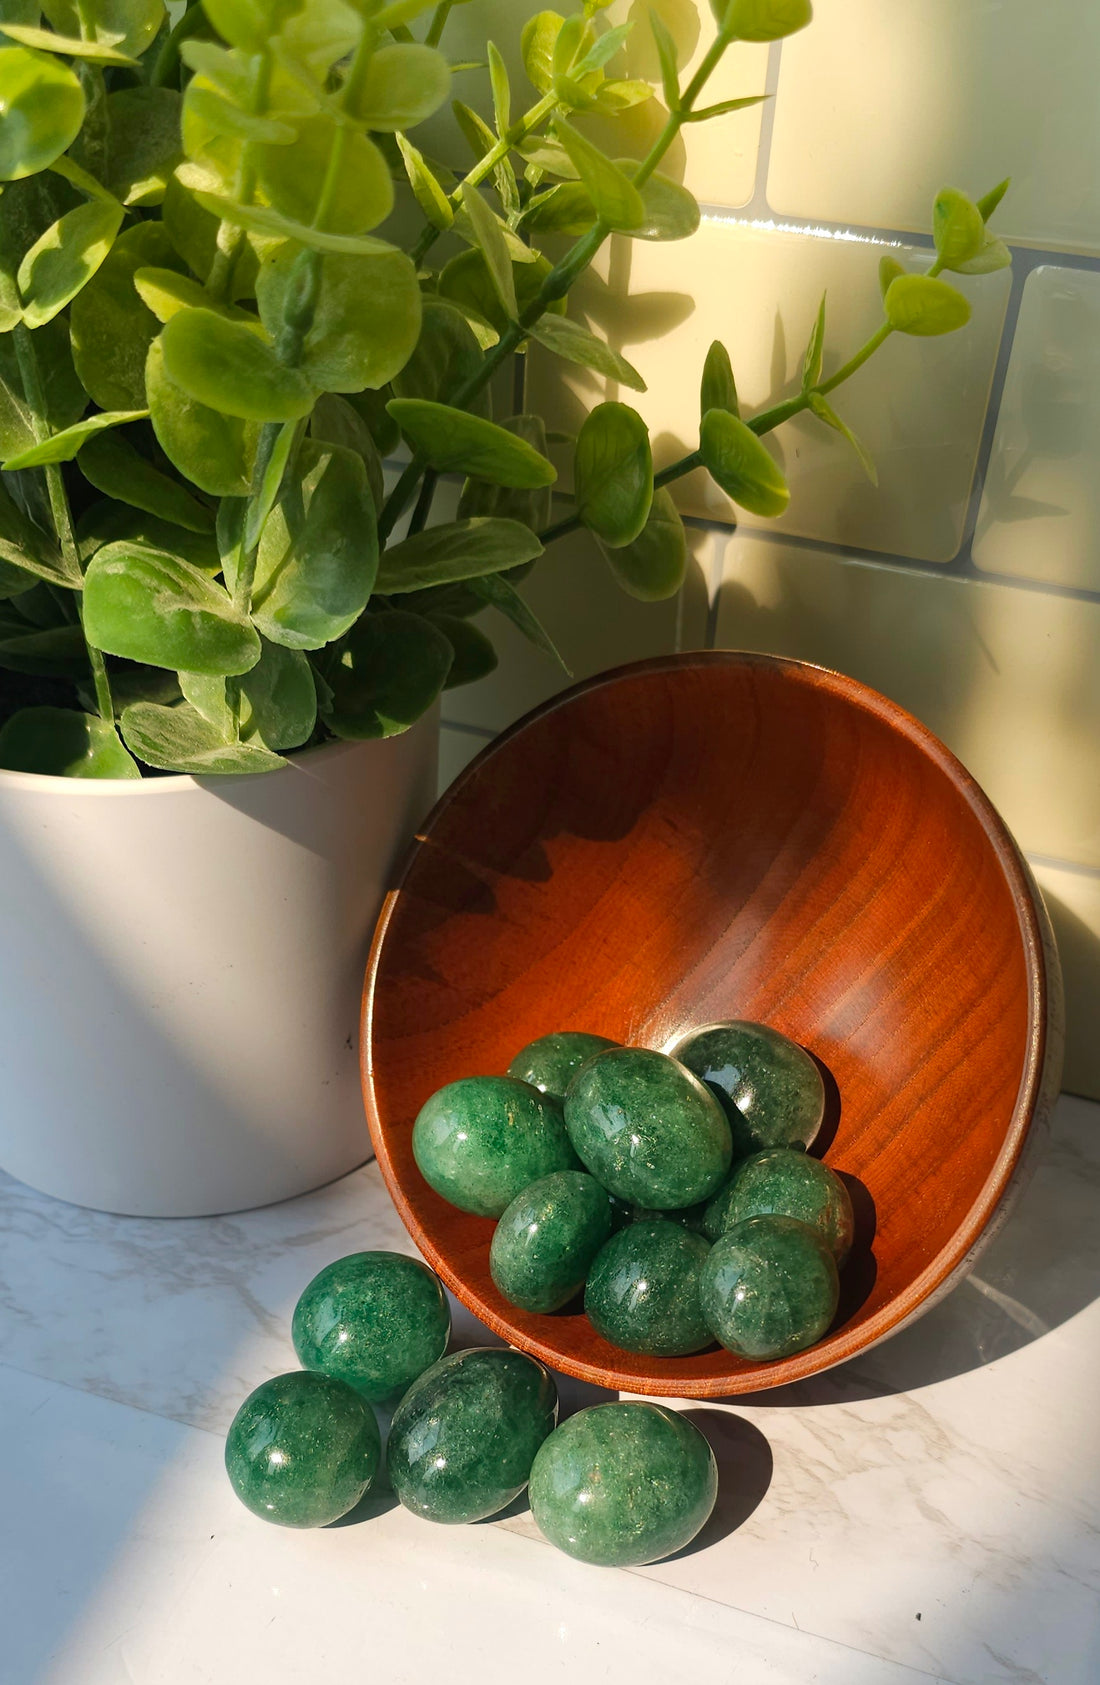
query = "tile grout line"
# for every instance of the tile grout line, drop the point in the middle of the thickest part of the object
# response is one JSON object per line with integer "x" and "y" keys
{"x": 106, "y": 1398}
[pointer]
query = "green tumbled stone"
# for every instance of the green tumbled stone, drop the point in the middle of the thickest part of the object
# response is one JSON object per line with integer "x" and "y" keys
{"x": 781, "y": 1182}
{"x": 691, "y": 1217}
{"x": 465, "y": 1434}
{"x": 647, "y": 1129}
{"x": 547, "y": 1238}
{"x": 623, "y": 1484}
{"x": 551, "y": 1062}
{"x": 770, "y": 1088}
{"x": 375, "y": 1319}
{"x": 481, "y": 1140}
{"x": 302, "y": 1449}
{"x": 769, "y": 1288}
{"x": 643, "y": 1290}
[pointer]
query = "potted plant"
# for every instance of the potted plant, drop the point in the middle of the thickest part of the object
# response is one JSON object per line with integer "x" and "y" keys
{"x": 211, "y": 340}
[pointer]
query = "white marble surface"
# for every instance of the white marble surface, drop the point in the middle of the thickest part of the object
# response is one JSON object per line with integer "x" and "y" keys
{"x": 932, "y": 1512}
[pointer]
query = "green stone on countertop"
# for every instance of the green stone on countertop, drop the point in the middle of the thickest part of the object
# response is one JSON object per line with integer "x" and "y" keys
{"x": 551, "y": 1062}
{"x": 374, "y": 1319}
{"x": 302, "y": 1449}
{"x": 479, "y": 1142}
{"x": 784, "y": 1182}
{"x": 548, "y": 1237}
{"x": 769, "y": 1288}
{"x": 769, "y": 1087}
{"x": 647, "y": 1129}
{"x": 464, "y": 1436}
{"x": 643, "y": 1290}
{"x": 623, "y": 1484}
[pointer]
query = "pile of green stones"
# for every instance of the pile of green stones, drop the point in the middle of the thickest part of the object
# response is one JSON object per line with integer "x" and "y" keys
{"x": 617, "y": 1484}
{"x": 675, "y": 1189}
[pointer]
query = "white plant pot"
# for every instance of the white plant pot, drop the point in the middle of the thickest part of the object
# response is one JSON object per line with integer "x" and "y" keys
{"x": 181, "y": 971}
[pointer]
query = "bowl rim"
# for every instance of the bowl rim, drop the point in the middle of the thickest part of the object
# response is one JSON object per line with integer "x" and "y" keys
{"x": 1039, "y": 1080}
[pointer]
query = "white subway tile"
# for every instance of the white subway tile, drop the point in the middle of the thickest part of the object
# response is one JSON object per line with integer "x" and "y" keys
{"x": 1007, "y": 676}
{"x": 881, "y": 103}
{"x": 456, "y": 750}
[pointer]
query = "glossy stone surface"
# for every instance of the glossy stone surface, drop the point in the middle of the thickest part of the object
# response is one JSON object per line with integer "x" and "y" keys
{"x": 551, "y": 1062}
{"x": 481, "y": 1140}
{"x": 691, "y": 1216}
{"x": 302, "y": 1449}
{"x": 374, "y": 1319}
{"x": 623, "y": 1484}
{"x": 643, "y": 1290}
{"x": 548, "y": 1237}
{"x": 783, "y": 1182}
{"x": 770, "y": 1088}
{"x": 647, "y": 1129}
{"x": 769, "y": 1288}
{"x": 465, "y": 1434}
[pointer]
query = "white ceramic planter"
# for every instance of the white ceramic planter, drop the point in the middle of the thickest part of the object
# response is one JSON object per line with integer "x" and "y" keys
{"x": 180, "y": 975}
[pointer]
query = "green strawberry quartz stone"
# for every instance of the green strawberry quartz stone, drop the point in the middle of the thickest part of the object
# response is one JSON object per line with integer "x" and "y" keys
{"x": 551, "y": 1062}
{"x": 770, "y": 1088}
{"x": 547, "y": 1238}
{"x": 481, "y": 1140}
{"x": 465, "y": 1434}
{"x": 302, "y": 1449}
{"x": 375, "y": 1319}
{"x": 781, "y": 1182}
{"x": 769, "y": 1288}
{"x": 643, "y": 1290}
{"x": 623, "y": 1484}
{"x": 647, "y": 1129}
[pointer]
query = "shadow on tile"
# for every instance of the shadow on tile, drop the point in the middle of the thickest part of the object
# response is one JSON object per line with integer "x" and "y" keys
{"x": 745, "y": 1466}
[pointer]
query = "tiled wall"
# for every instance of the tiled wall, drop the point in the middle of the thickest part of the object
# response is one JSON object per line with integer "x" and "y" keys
{"x": 967, "y": 585}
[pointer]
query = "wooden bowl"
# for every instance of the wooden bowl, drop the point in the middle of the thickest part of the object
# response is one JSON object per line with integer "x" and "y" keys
{"x": 722, "y": 835}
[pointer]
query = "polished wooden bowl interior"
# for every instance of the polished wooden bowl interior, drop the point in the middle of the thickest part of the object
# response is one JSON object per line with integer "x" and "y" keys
{"x": 718, "y": 836}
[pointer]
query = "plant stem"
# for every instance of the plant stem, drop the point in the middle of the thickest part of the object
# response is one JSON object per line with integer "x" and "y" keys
{"x": 27, "y": 359}
{"x": 164, "y": 66}
{"x": 231, "y": 240}
{"x": 424, "y": 502}
{"x": 438, "y": 23}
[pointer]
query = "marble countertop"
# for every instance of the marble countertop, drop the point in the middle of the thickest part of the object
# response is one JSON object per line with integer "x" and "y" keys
{"x": 931, "y": 1512}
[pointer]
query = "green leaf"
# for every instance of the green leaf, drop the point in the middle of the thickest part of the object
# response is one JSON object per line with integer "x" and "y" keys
{"x": 988, "y": 202}
{"x": 704, "y": 113}
{"x": 149, "y": 606}
{"x": 531, "y": 504}
{"x": 473, "y": 654}
{"x": 958, "y": 228}
{"x": 216, "y": 451}
{"x": 225, "y": 366}
{"x": 41, "y": 110}
{"x": 618, "y": 202}
{"x": 144, "y": 143}
{"x": 603, "y": 49}
{"x": 888, "y": 270}
{"x": 761, "y": 20}
{"x": 259, "y": 219}
{"x": 828, "y": 415}
{"x": 63, "y": 744}
{"x": 318, "y": 552}
{"x": 404, "y": 84}
{"x": 466, "y": 282}
{"x": 62, "y": 447}
{"x": 498, "y": 593}
{"x": 65, "y": 258}
{"x": 670, "y": 211}
{"x": 337, "y": 423}
{"x": 361, "y": 194}
{"x": 668, "y": 57}
{"x": 392, "y": 669}
{"x": 27, "y": 553}
{"x": 652, "y": 566}
{"x": 564, "y": 209}
{"x": 739, "y": 463}
{"x": 572, "y": 39}
{"x": 454, "y": 440}
{"x": 992, "y": 254}
{"x": 569, "y": 340}
{"x": 117, "y": 470}
{"x": 112, "y": 329}
{"x": 815, "y": 352}
{"x": 108, "y": 521}
{"x": 179, "y": 740}
{"x": 206, "y": 112}
{"x": 366, "y": 319}
{"x": 262, "y": 501}
{"x": 129, "y": 25}
{"x": 925, "y": 305}
{"x": 64, "y": 396}
{"x": 537, "y": 42}
{"x": 278, "y": 700}
{"x": 616, "y": 96}
{"x": 429, "y": 195}
{"x": 165, "y": 292}
{"x": 55, "y": 652}
{"x": 193, "y": 232}
{"x": 445, "y": 356}
{"x": 502, "y": 93}
{"x": 249, "y": 24}
{"x": 717, "y": 389}
{"x": 490, "y": 239}
{"x": 613, "y": 473}
{"x": 71, "y": 46}
{"x": 456, "y": 550}
{"x": 478, "y": 135}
